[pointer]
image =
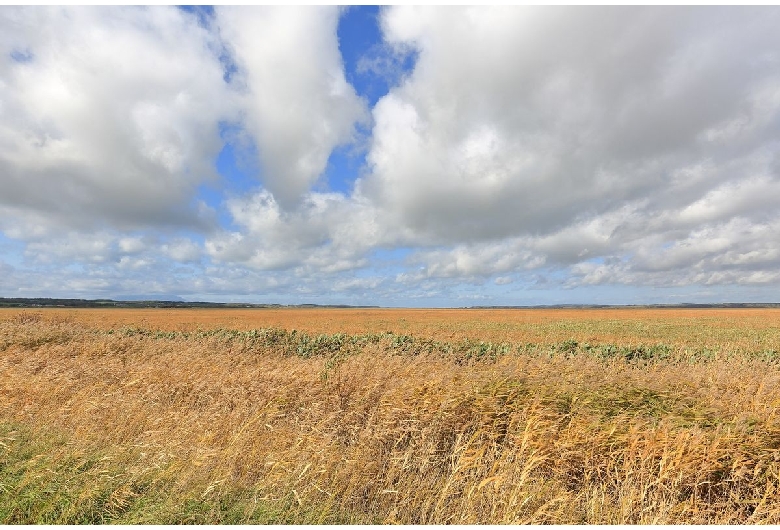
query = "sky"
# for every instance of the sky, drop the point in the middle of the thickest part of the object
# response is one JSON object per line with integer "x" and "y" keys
{"x": 395, "y": 156}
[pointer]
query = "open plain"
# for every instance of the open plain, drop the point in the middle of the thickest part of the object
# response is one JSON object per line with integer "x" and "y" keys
{"x": 390, "y": 415}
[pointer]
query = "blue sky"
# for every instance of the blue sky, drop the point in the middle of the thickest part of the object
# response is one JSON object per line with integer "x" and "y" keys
{"x": 399, "y": 156}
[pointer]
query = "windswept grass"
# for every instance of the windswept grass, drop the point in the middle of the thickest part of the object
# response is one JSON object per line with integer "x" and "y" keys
{"x": 144, "y": 424}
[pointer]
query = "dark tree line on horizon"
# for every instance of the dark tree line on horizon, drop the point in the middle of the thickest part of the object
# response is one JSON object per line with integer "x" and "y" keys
{"x": 104, "y": 303}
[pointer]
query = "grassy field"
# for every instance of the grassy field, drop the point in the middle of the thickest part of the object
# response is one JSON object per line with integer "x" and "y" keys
{"x": 384, "y": 416}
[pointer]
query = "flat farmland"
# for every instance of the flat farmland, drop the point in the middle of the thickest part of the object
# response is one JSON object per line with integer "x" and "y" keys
{"x": 390, "y": 416}
{"x": 721, "y": 329}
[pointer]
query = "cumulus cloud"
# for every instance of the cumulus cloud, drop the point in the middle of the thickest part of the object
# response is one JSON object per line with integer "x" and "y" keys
{"x": 111, "y": 119}
{"x": 556, "y": 135}
{"x": 108, "y": 115}
{"x": 296, "y": 102}
{"x": 182, "y": 250}
{"x": 326, "y": 232}
{"x": 528, "y": 147}
{"x": 521, "y": 120}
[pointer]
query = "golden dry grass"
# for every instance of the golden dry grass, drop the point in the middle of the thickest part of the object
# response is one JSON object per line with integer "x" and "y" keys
{"x": 224, "y": 426}
{"x": 724, "y": 329}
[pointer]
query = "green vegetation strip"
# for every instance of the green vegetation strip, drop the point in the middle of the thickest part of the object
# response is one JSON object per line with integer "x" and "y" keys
{"x": 304, "y": 345}
{"x": 301, "y": 344}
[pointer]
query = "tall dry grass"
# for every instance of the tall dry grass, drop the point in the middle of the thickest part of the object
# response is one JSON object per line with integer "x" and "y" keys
{"x": 222, "y": 426}
{"x": 723, "y": 329}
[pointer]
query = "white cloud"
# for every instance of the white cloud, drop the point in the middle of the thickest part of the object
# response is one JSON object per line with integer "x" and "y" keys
{"x": 131, "y": 245}
{"x": 554, "y": 136}
{"x": 326, "y": 232}
{"x": 297, "y": 103}
{"x": 112, "y": 116}
{"x": 549, "y": 146}
{"x": 479, "y": 260}
{"x": 94, "y": 248}
{"x": 507, "y": 128}
{"x": 753, "y": 194}
{"x": 182, "y": 250}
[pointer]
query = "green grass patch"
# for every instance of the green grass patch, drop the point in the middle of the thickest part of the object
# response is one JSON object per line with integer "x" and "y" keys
{"x": 45, "y": 479}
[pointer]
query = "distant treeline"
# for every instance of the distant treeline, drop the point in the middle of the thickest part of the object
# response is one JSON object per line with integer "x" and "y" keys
{"x": 77, "y": 302}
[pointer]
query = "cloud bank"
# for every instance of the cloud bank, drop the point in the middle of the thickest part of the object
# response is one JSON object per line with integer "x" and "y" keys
{"x": 108, "y": 115}
{"x": 566, "y": 150}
